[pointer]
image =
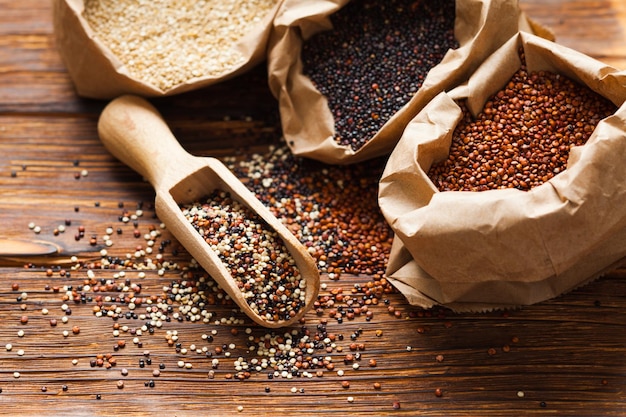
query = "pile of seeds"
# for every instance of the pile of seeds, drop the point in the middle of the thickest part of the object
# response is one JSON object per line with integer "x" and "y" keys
{"x": 375, "y": 59}
{"x": 169, "y": 42}
{"x": 332, "y": 210}
{"x": 523, "y": 136}
{"x": 255, "y": 255}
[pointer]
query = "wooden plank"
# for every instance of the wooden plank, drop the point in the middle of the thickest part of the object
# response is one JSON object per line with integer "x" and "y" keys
{"x": 563, "y": 356}
{"x": 576, "y": 367}
{"x": 593, "y": 27}
{"x": 25, "y": 17}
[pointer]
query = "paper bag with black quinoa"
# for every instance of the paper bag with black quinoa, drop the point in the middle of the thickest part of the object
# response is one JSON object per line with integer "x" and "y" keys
{"x": 489, "y": 205}
{"x": 349, "y": 76}
{"x": 159, "y": 48}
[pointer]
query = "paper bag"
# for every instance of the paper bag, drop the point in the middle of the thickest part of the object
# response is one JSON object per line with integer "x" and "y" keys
{"x": 480, "y": 27}
{"x": 475, "y": 251}
{"x": 97, "y": 73}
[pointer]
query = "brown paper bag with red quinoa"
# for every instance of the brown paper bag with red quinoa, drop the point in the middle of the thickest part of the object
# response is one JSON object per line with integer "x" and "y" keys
{"x": 498, "y": 248}
{"x": 183, "y": 48}
{"x": 345, "y": 95}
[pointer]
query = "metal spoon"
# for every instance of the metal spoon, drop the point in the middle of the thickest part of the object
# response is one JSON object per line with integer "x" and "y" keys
{"x": 135, "y": 133}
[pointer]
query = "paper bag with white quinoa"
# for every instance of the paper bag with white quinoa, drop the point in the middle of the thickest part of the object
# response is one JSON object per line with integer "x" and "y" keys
{"x": 499, "y": 248}
{"x": 112, "y": 48}
{"x": 345, "y": 96}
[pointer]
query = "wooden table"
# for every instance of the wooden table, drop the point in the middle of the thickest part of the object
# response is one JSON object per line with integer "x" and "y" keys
{"x": 560, "y": 357}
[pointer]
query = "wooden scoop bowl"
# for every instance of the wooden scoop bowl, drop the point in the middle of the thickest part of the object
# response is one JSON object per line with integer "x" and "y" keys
{"x": 135, "y": 133}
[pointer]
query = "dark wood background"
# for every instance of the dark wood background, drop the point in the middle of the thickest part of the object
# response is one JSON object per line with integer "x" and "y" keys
{"x": 562, "y": 357}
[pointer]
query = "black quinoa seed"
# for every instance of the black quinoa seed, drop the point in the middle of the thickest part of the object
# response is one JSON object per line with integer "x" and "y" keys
{"x": 375, "y": 59}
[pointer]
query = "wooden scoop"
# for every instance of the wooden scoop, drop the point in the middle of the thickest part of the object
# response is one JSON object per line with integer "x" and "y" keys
{"x": 135, "y": 133}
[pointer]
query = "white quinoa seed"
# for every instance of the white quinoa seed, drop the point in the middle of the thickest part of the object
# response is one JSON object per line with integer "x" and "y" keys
{"x": 168, "y": 42}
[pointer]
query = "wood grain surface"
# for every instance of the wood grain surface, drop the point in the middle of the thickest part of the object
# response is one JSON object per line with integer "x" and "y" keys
{"x": 561, "y": 357}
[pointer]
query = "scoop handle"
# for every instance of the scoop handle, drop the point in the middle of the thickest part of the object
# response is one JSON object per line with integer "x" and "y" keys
{"x": 133, "y": 131}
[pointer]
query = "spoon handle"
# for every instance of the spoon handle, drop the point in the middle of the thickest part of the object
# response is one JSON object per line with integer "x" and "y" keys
{"x": 133, "y": 131}
{"x": 24, "y": 247}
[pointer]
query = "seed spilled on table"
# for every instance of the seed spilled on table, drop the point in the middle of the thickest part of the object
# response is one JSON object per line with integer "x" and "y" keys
{"x": 255, "y": 255}
{"x": 375, "y": 59}
{"x": 330, "y": 208}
